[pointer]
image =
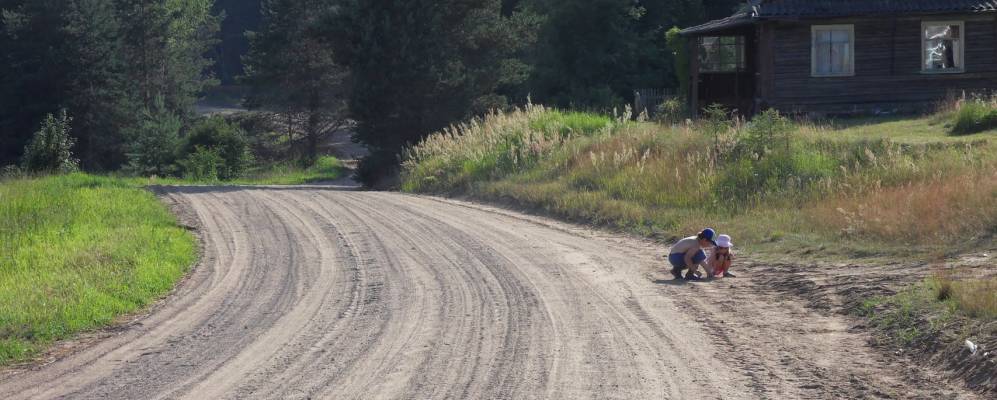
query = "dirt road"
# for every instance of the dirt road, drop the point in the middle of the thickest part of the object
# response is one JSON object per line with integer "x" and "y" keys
{"x": 307, "y": 292}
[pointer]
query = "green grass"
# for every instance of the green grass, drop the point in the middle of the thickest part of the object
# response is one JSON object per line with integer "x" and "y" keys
{"x": 973, "y": 116}
{"x": 777, "y": 186}
{"x": 76, "y": 252}
{"x": 325, "y": 169}
{"x": 905, "y": 130}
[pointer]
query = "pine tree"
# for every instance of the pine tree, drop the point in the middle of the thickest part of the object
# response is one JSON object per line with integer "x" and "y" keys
{"x": 290, "y": 69}
{"x": 420, "y": 65}
{"x": 96, "y": 91}
{"x": 595, "y": 53}
{"x": 104, "y": 61}
{"x": 33, "y": 70}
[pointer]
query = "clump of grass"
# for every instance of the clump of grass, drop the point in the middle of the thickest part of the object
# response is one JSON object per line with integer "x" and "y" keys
{"x": 975, "y": 115}
{"x": 76, "y": 252}
{"x": 976, "y": 298}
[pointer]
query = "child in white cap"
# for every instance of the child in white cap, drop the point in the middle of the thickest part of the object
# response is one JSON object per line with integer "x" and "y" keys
{"x": 721, "y": 258}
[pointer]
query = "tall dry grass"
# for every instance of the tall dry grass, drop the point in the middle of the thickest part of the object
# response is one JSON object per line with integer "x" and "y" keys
{"x": 945, "y": 209}
{"x": 762, "y": 180}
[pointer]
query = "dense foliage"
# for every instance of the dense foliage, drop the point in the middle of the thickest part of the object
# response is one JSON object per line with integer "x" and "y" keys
{"x": 417, "y": 66}
{"x": 292, "y": 70}
{"x": 104, "y": 61}
{"x": 400, "y": 69}
{"x": 420, "y": 65}
{"x": 50, "y": 150}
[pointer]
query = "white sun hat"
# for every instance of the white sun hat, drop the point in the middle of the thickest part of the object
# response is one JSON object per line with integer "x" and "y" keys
{"x": 724, "y": 241}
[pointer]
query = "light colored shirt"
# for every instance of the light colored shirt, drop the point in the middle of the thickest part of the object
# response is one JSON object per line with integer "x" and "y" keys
{"x": 683, "y": 246}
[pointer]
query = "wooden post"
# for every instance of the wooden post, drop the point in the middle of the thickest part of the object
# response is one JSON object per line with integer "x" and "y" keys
{"x": 765, "y": 64}
{"x": 694, "y": 78}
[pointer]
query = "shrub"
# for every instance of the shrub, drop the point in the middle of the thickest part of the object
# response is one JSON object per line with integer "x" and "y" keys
{"x": 204, "y": 164}
{"x": 156, "y": 142}
{"x": 226, "y": 140}
{"x": 765, "y": 159}
{"x": 50, "y": 149}
{"x": 680, "y": 54}
{"x": 671, "y": 111}
{"x": 11, "y": 172}
{"x": 975, "y": 116}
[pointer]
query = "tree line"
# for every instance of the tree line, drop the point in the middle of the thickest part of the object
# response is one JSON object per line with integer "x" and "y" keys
{"x": 400, "y": 68}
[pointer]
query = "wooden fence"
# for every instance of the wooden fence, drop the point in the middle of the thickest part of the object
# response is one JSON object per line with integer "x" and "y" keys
{"x": 648, "y": 100}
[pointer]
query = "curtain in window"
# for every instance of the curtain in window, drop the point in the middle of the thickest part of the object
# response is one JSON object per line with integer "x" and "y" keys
{"x": 833, "y": 51}
{"x": 941, "y": 47}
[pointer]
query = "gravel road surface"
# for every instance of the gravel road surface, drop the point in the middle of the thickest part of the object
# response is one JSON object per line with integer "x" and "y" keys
{"x": 324, "y": 292}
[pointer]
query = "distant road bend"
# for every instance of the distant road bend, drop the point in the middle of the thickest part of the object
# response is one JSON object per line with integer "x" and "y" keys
{"x": 317, "y": 292}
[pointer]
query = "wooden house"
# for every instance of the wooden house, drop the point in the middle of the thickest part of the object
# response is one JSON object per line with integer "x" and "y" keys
{"x": 844, "y": 56}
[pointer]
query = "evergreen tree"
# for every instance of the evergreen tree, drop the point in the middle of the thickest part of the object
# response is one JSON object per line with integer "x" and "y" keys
{"x": 33, "y": 70}
{"x": 292, "y": 70}
{"x": 595, "y": 53}
{"x": 155, "y": 142}
{"x": 241, "y": 16}
{"x": 96, "y": 85}
{"x": 103, "y": 60}
{"x": 420, "y": 65}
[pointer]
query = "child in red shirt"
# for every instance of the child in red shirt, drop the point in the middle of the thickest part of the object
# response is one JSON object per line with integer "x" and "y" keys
{"x": 721, "y": 258}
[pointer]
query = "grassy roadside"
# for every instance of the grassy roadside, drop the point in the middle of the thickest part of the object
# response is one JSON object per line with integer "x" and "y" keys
{"x": 775, "y": 185}
{"x": 882, "y": 189}
{"x": 325, "y": 169}
{"x": 785, "y": 189}
{"x": 77, "y": 251}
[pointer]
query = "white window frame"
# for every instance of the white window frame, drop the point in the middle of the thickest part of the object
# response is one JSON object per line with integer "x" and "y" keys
{"x": 813, "y": 50}
{"x": 962, "y": 48}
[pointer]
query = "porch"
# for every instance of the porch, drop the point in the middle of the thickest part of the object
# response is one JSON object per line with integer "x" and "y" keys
{"x": 724, "y": 59}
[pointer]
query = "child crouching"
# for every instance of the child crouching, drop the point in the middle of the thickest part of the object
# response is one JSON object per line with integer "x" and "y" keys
{"x": 721, "y": 258}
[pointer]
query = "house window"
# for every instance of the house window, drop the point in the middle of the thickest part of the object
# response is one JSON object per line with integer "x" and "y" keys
{"x": 943, "y": 47}
{"x": 721, "y": 54}
{"x": 833, "y": 48}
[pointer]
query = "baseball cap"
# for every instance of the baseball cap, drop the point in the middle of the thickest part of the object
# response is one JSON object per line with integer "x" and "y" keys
{"x": 709, "y": 234}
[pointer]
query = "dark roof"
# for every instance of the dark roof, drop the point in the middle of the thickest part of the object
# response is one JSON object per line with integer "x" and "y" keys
{"x": 778, "y": 9}
{"x": 841, "y": 8}
{"x": 740, "y": 19}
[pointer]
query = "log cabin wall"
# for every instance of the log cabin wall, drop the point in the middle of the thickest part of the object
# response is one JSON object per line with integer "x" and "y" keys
{"x": 888, "y": 74}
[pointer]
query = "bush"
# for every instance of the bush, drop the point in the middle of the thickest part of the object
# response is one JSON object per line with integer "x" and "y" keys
{"x": 766, "y": 159}
{"x": 156, "y": 142}
{"x": 225, "y": 140}
{"x": 204, "y": 164}
{"x": 671, "y": 111}
{"x": 51, "y": 148}
{"x": 975, "y": 116}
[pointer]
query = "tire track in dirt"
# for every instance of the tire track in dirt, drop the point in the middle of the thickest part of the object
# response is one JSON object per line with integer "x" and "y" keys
{"x": 309, "y": 292}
